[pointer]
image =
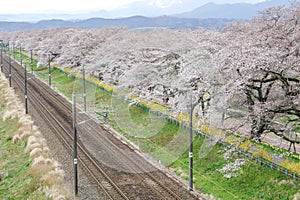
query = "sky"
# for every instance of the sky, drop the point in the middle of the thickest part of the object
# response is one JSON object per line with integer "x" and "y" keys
{"x": 77, "y": 6}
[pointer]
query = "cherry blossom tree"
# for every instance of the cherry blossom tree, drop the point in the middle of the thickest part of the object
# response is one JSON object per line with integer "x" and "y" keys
{"x": 261, "y": 68}
{"x": 72, "y": 44}
{"x": 246, "y": 76}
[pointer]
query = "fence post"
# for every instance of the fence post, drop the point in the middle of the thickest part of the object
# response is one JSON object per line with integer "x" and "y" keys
{"x": 286, "y": 172}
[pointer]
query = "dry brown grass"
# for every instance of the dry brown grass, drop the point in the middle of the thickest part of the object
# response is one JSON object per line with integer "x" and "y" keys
{"x": 40, "y": 166}
{"x": 16, "y": 138}
{"x": 43, "y": 165}
{"x": 296, "y": 196}
{"x": 35, "y": 152}
{"x": 53, "y": 177}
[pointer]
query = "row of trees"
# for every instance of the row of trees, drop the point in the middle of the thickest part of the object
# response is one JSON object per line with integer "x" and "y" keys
{"x": 263, "y": 67}
{"x": 245, "y": 78}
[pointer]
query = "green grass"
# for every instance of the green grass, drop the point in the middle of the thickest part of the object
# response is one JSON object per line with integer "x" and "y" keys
{"x": 254, "y": 181}
{"x": 15, "y": 182}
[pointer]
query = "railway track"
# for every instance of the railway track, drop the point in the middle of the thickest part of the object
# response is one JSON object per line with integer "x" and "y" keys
{"x": 137, "y": 179}
{"x": 43, "y": 102}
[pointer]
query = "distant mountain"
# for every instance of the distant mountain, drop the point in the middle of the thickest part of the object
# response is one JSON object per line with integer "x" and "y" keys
{"x": 210, "y": 15}
{"x": 155, "y": 8}
{"x": 148, "y": 8}
{"x": 35, "y": 17}
{"x": 231, "y": 11}
{"x": 130, "y": 22}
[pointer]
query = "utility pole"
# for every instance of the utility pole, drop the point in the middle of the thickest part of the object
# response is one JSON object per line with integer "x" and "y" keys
{"x": 25, "y": 89}
{"x": 1, "y": 57}
{"x": 13, "y": 51}
{"x": 191, "y": 147}
{"x": 193, "y": 105}
{"x": 31, "y": 61}
{"x": 50, "y": 59}
{"x": 21, "y": 55}
{"x": 9, "y": 71}
{"x": 31, "y": 56}
{"x": 49, "y": 70}
{"x": 75, "y": 161}
{"x": 84, "y": 88}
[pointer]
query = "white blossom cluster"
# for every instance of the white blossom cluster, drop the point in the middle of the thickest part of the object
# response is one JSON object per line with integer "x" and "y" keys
{"x": 244, "y": 79}
{"x": 232, "y": 169}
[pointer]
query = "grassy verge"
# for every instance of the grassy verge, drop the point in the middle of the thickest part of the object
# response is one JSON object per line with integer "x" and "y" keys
{"x": 27, "y": 168}
{"x": 15, "y": 182}
{"x": 252, "y": 182}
